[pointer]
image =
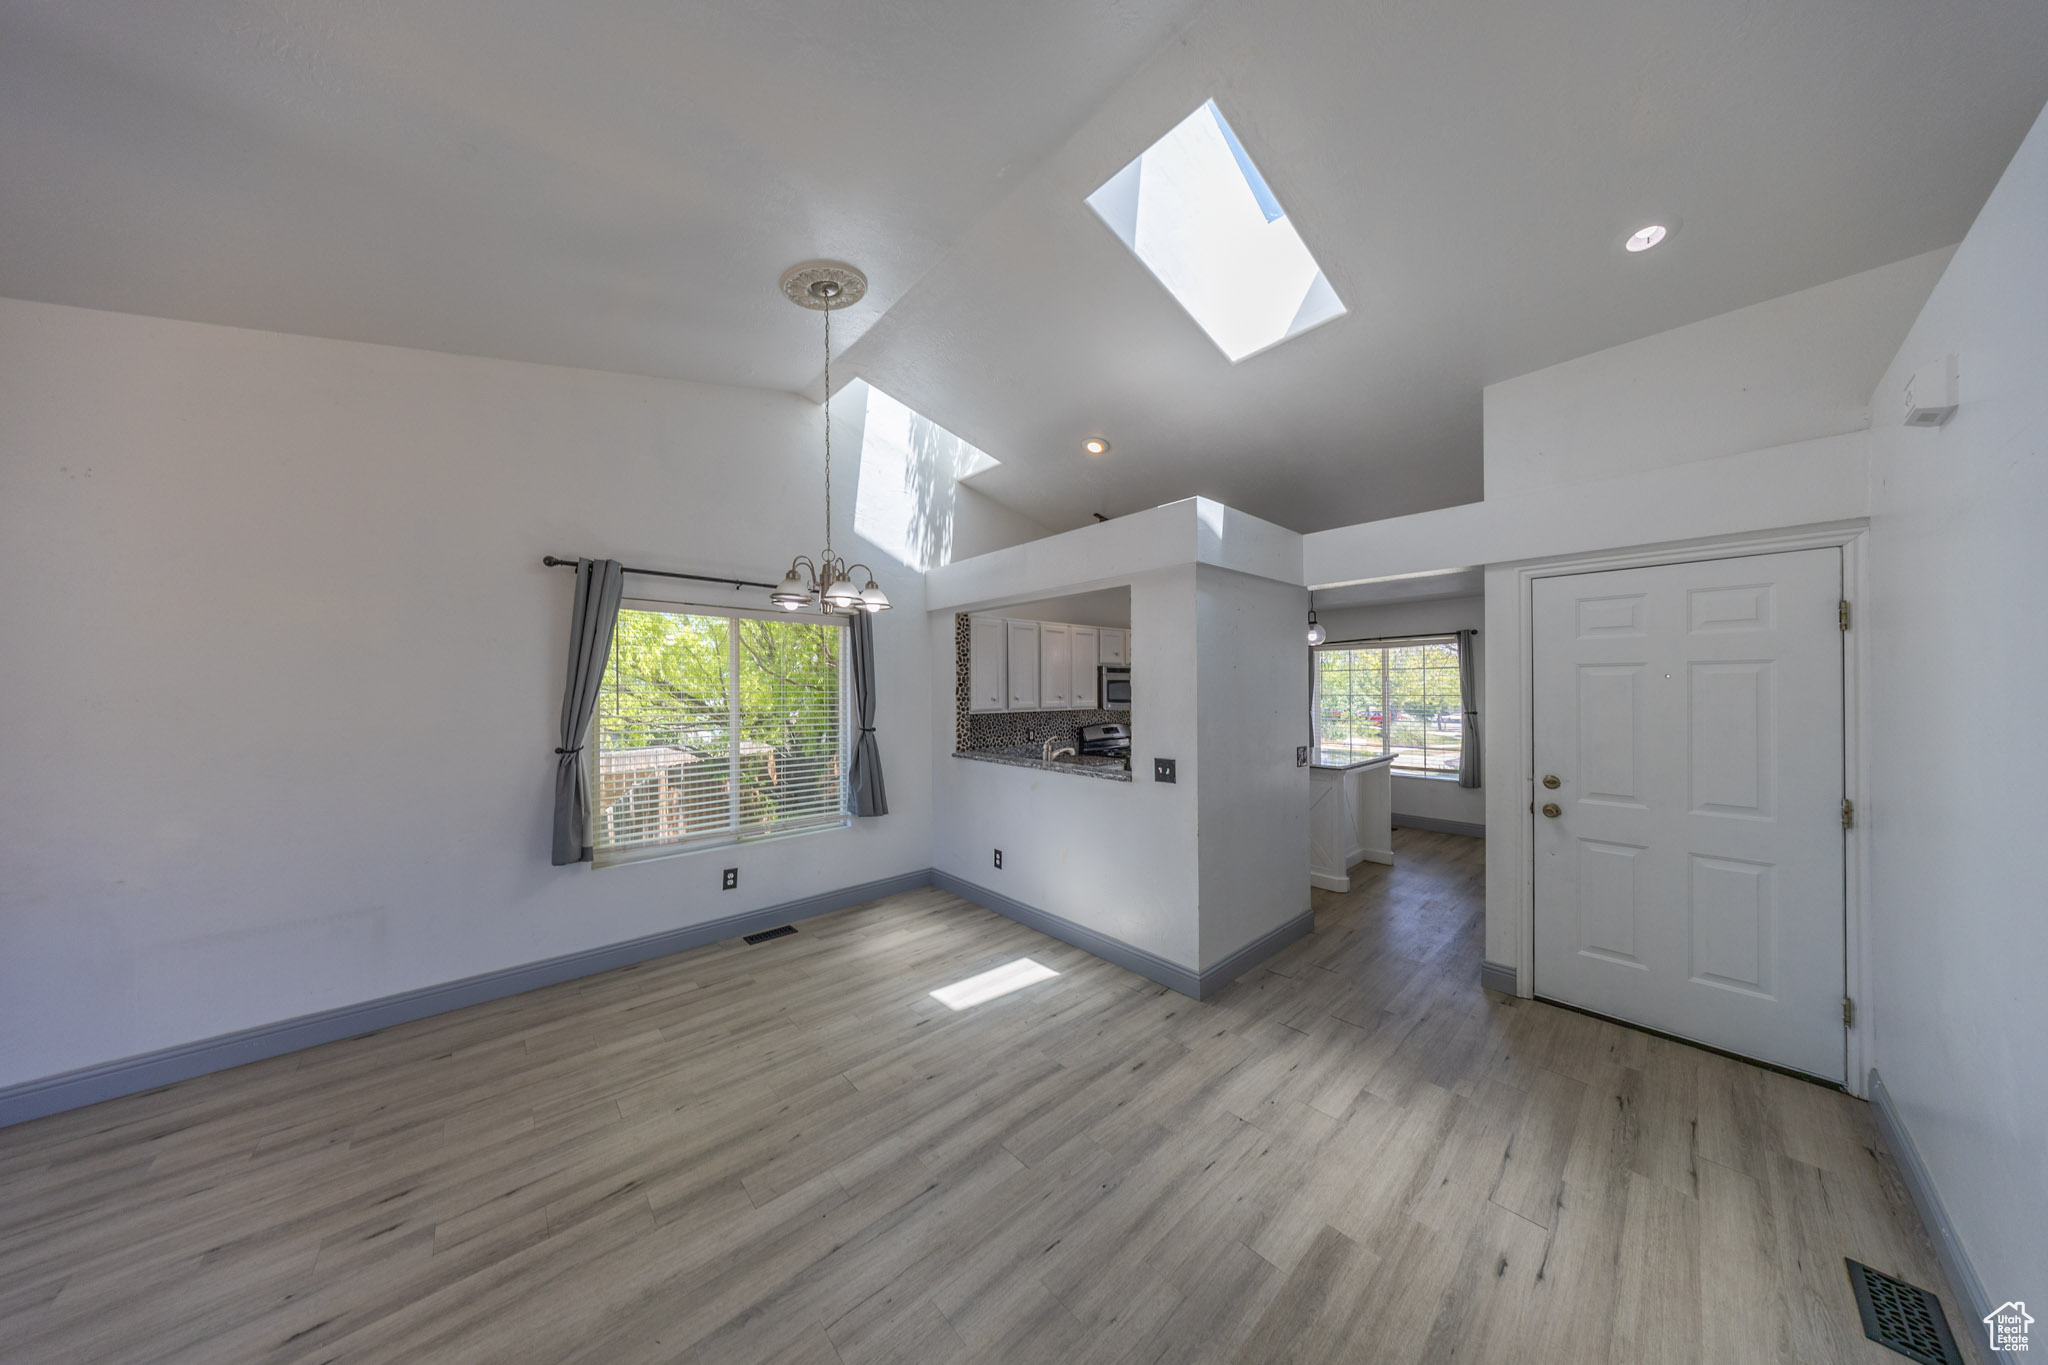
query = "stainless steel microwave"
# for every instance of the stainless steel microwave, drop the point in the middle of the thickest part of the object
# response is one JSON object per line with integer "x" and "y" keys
{"x": 1114, "y": 686}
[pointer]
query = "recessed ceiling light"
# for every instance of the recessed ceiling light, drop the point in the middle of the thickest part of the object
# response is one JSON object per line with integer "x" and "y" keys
{"x": 1645, "y": 238}
{"x": 1095, "y": 445}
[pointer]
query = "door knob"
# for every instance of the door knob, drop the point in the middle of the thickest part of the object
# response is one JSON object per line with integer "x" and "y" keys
{"x": 1551, "y": 782}
{"x": 1551, "y": 809}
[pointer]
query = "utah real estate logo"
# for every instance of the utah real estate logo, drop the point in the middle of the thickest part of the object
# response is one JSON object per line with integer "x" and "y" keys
{"x": 2007, "y": 1326}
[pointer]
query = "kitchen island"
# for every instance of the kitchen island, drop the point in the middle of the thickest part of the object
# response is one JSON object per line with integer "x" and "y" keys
{"x": 1350, "y": 816}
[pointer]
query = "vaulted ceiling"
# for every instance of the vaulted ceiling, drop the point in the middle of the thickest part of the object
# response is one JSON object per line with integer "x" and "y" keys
{"x": 617, "y": 185}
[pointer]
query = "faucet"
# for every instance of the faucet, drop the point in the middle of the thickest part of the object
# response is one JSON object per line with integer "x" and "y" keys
{"x": 1049, "y": 754}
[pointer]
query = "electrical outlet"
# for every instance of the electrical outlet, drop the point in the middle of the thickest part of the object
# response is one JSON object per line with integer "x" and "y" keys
{"x": 1163, "y": 770}
{"x": 1301, "y": 755}
{"x": 999, "y": 859}
{"x": 732, "y": 879}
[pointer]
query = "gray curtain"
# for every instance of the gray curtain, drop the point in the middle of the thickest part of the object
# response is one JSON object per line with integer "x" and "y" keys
{"x": 598, "y": 582}
{"x": 1468, "y": 685}
{"x": 865, "y": 794}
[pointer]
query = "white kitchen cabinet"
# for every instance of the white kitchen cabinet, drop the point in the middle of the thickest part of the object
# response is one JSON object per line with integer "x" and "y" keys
{"x": 1021, "y": 689}
{"x": 1087, "y": 651}
{"x": 1114, "y": 647}
{"x": 987, "y": 674}
{"x": 1055, "y": 666}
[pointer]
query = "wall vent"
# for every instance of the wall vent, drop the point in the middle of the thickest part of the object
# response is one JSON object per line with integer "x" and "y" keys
{"x": 767, "y": 934}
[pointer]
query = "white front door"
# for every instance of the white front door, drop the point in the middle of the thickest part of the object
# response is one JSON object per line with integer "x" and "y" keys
{"x": 1688, "y": 869}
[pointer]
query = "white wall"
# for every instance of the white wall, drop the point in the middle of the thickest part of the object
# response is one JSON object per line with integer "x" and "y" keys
{"x": 1788, "y": 369}
{"x": 1958, "y": 658}
{"x": 1119, "y": 858}
{"x": 283, "y": 668}
{"x": 981, "y": 524}
{"x": 1252, "y": 692}
{"x": 1637, "y": 446}
{"x": 1433, "y": 798}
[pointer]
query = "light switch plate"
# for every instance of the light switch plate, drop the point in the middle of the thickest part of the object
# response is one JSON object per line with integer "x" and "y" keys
{"x": 1163, "y": 770}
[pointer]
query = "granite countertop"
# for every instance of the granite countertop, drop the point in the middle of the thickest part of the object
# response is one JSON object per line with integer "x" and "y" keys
{"x": 1030, "y": 756}
{"x": 1331, "y": 763}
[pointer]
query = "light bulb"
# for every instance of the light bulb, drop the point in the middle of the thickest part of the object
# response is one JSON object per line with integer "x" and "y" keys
{"x": 872, "y": 598}
{"x": 791, "y": 593}
{"x": 1316, "y": 634}
{"x": 841, "y": 593}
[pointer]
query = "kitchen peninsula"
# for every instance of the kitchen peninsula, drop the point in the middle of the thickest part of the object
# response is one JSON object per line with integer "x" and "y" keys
{"x": 1350, "y": 816}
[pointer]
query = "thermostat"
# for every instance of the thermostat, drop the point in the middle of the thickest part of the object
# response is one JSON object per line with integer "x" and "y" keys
{"x": 1931, "y": 393}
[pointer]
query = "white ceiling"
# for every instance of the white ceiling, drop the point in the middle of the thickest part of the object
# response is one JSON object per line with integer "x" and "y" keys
{"x": 617, "y": 185}
{"x": 611, "y": 184}
{"x": 1426, "y": 587}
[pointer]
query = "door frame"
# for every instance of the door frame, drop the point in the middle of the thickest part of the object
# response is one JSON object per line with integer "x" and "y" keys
{"x": 1515, "y": 843}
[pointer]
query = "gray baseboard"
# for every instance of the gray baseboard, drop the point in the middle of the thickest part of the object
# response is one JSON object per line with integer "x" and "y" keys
{"x": 1430, "y": 822}
{"x": 1221, "y": 974}
{"x": 1962, "y": 1276}
{"x": 1171, "y": 975}
{"x": 89, "y": 1085}
{"x": 1496, "y": 977}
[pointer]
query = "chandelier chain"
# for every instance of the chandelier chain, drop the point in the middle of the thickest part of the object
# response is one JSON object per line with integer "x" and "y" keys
{"x": 828, "y": 439}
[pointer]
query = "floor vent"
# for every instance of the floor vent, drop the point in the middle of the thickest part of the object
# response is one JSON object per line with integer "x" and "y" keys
{"x": 1902, "y": 1317}
{"x": 767, "y": 934}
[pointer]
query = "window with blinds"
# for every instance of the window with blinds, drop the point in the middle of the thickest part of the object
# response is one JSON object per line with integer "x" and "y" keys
{"x": 1399, "y": 697}
{"x": 715, "y": 727}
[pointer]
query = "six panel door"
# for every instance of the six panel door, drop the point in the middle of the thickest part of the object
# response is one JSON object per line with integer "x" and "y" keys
{"x": 1688, "y": 861}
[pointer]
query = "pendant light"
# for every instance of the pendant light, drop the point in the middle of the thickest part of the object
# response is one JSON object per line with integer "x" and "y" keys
{"x": 1316, "y": 634}
{"x": 828, "y": 581}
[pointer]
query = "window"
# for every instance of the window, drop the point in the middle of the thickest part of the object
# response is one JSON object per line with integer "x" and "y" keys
{"x": 1195, "y": 210}
{"x": 1397, "y": 696}
{"x": 714, "y": 727}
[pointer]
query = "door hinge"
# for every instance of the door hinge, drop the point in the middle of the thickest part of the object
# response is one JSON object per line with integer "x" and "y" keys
{"x": 1848, "y": 813}
{"x": 1848, "y": 1012}
{"x": 1843, "y": 613}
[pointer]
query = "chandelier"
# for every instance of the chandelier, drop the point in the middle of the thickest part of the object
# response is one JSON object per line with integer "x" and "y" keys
{"x": 826, "y": 286}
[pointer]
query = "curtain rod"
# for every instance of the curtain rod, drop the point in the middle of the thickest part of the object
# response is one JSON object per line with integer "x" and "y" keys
{"x": 555, "y": 562}
{"x": 1384, "y": 639}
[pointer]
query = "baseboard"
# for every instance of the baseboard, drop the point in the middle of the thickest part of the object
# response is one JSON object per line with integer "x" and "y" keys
{"x": 1496, "y": 977}
{"x": 1431, "y": 822}
{"x": 89, "y": 1085}
{"x": 1171, "y": 975}
{"x": 1216, "y": 977}
{"x": 1962, "y": 1276}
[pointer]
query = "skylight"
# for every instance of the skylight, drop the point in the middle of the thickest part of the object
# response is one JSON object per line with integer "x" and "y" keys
{"x": 1197, "y": 212}
{"x": 909, "y": 468}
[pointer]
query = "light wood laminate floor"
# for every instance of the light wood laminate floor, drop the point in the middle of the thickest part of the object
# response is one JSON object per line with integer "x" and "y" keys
{"x": 791, "y": 1152}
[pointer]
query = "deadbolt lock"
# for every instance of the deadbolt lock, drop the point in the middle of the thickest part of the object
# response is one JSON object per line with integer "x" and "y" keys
{"x": 1551, "y": 782}
{"x": 1552, "y": 809}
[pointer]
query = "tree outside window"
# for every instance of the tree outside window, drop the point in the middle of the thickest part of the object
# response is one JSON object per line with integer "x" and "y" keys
{"x": 1397, "y": 696}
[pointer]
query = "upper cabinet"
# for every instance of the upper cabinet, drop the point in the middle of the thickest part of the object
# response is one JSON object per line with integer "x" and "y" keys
{"x": 1038, "y": 665}
{"x": 986, "y": 675}
{"x": 1055, "y": 666}
{"x": 1020, "y": 693}
{"x": 1086, "y": 655}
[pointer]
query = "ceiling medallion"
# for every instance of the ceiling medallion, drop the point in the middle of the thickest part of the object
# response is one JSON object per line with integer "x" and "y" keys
{"x": 827, "y": 581}
{"x": 824, "y": 285}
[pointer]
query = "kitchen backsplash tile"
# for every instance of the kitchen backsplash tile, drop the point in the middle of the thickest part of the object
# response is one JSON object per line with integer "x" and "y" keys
{"x": 999, "y": 729}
